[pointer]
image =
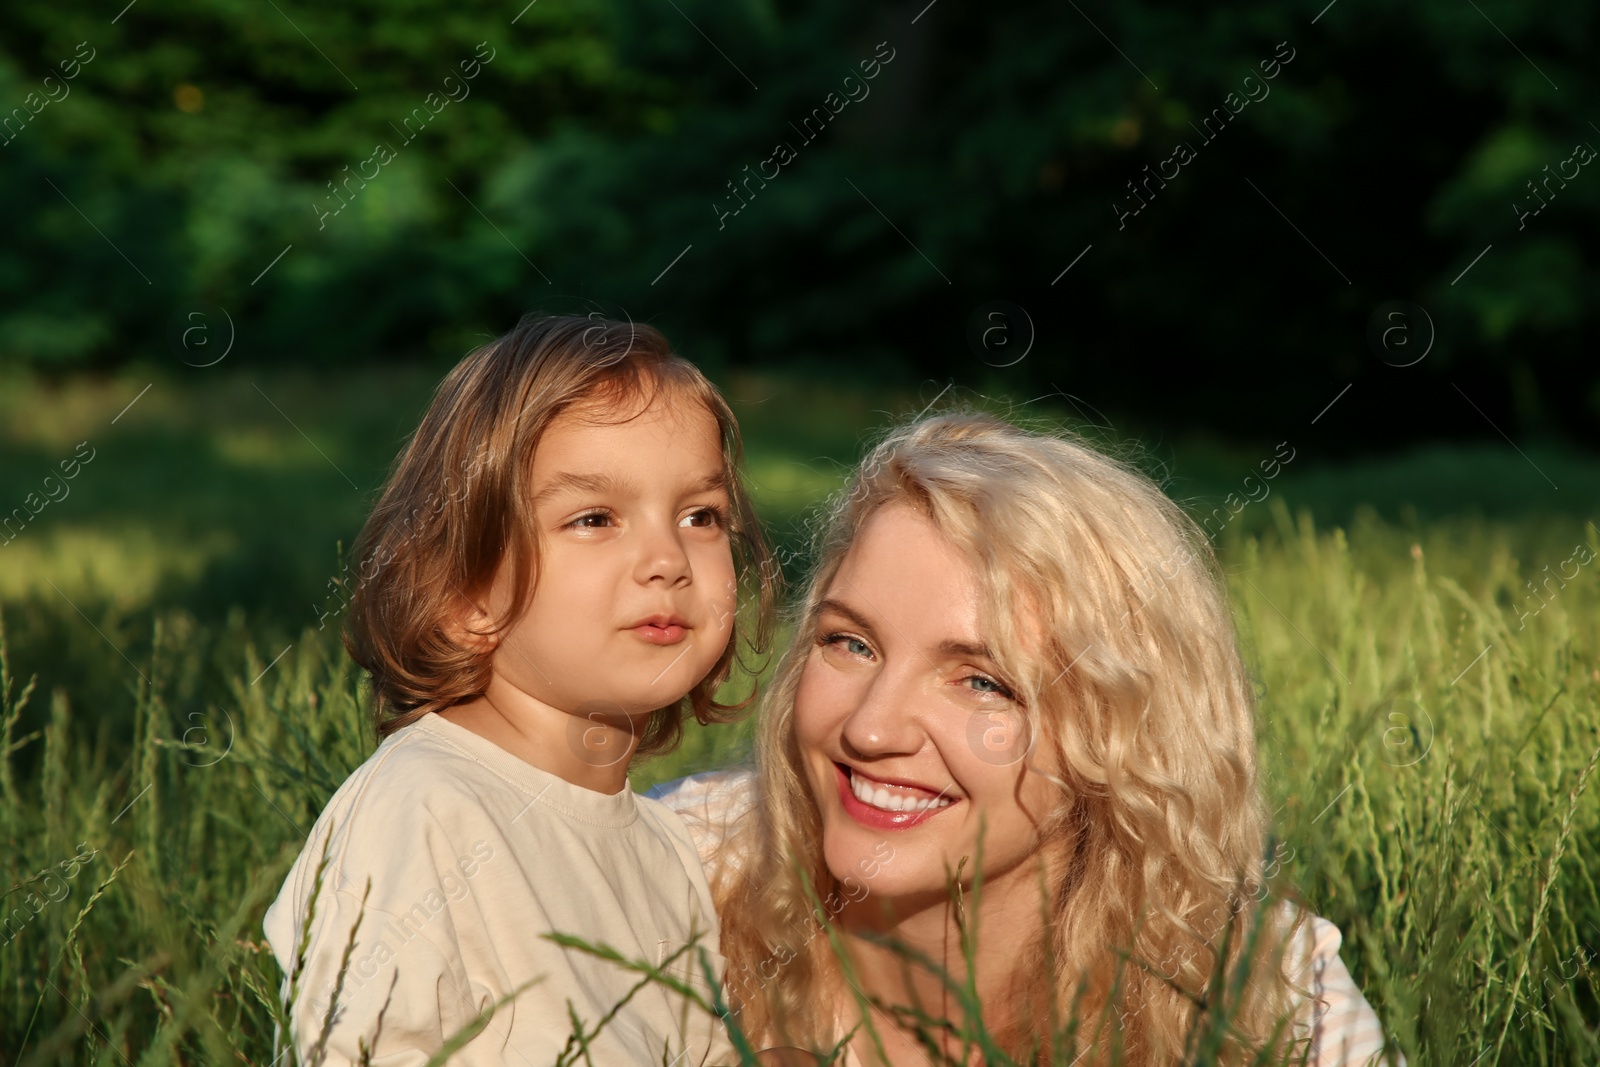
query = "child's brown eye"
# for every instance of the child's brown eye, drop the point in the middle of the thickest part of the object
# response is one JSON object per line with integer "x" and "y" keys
{"x": 703, "y": 517}
{"x": 593, "y": 521}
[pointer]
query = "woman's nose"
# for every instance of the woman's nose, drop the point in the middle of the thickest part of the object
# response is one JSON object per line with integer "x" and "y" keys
{"x": 884, "y": 722}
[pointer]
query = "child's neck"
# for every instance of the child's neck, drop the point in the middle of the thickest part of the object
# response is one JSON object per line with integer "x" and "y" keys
{"x": 592, "y": 754}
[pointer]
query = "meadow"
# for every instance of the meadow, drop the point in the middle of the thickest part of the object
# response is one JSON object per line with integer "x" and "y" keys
{"x": 1424, "y": 629}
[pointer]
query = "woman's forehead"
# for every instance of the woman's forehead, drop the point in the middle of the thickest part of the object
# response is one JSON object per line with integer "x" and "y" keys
{"x": 902, "y": 570}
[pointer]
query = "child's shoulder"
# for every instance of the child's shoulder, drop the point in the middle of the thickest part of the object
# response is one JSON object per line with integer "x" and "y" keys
{"x": 394, "y": 821}
{"x": 411, "y": 768}
{"x": 413, "y": 786}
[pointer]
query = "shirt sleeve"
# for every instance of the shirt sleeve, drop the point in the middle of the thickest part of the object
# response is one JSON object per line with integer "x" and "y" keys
{"x": 1345, "y": 1031}
{"x": 406, "y": 988}
{"x": 402, "y": 995}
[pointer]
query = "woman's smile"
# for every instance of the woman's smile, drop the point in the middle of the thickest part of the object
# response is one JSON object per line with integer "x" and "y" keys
{"x": 886, "y": 805}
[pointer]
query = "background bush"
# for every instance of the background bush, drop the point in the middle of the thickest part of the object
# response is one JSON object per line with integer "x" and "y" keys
{"x": 593, "y": 150}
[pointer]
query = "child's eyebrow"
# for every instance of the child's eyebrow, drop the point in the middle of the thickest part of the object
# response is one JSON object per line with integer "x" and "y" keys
{"x": 710, "y": 483}
{"x": 607, "y": 483}
{"x": 569, "y": 480}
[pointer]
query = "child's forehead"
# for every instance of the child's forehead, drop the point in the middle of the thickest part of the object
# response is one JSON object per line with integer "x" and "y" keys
{"x": 663, "y": 435}
{"x": 616, "y": 404}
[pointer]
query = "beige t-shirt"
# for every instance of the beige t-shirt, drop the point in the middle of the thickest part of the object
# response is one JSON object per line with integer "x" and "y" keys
{"x": 472, "y": 855}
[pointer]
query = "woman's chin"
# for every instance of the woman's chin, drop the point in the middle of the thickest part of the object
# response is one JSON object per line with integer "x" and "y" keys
{"x": 871, "y": 868}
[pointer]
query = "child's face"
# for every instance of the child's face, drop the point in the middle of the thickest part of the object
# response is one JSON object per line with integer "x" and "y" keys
{"x": 635, "y": 593}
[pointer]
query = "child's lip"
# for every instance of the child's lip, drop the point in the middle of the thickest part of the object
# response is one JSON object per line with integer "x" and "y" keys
{"x": 661, "y": 629}
{"x": 661, "y": 620}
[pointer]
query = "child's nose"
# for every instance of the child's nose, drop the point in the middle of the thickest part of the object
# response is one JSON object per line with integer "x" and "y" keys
{"x": 662, "y": 556}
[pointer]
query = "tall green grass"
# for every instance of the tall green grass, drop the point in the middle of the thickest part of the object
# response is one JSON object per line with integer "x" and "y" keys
{"x": 1431, "y": 763}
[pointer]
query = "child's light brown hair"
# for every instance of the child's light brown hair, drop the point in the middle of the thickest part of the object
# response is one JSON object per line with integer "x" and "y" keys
{"x": 458, "y": 504}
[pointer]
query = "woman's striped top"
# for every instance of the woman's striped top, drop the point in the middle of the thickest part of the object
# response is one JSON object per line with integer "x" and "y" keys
{"x": 1344, "y": 1030}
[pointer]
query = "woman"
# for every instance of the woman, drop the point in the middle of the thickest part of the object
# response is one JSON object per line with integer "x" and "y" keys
{"x": 1011, "y": 750}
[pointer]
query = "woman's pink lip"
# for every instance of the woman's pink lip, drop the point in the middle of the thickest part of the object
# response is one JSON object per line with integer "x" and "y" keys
{"x": 877, "y": 818}
{"x": 669, "y": 634}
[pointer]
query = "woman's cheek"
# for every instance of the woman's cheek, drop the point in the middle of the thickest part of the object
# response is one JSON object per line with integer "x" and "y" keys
{"x": 969, "y": 760}
{"x": 811, "y": 698}
{"x": 822, "y": 702}
{"x": 1011, "y": 797}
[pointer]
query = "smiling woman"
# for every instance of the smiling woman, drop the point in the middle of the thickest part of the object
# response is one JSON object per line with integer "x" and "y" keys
{"x": 993, "y": 679}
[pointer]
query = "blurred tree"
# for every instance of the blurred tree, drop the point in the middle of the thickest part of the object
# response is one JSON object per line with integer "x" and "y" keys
{"x": 626, "y": 153}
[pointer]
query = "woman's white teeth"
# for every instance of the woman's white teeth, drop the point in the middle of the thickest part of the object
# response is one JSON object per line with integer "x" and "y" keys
{"x": 881, "y": 797}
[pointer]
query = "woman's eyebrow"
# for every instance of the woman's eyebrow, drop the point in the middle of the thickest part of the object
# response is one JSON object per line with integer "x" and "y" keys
{"x": 965, "y": 648}
{"x": 840, "y": 608}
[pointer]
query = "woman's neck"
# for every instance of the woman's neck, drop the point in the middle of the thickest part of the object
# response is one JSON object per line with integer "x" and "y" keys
{"x": 1004, "y": 929}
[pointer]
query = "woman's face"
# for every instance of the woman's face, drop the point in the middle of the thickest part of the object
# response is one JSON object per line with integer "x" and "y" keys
{"x": 909, "y": 736}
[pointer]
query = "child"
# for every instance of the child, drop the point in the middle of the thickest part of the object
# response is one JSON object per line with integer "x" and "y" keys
{"x": 548, "y": 582}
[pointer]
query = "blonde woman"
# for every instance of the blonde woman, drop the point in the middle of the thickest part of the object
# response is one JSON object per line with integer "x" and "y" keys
{"x": 1013, "y": 728}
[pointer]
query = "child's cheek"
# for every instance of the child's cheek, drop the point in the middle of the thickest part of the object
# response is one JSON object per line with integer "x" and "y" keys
{"x": 725, "y": 603}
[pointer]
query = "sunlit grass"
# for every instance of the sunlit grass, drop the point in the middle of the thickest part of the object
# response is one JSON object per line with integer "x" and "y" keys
{"x": 1428, "y": 718}
{"x": 235, "y": 485}
{"x": 1456, "y": 846}
{"x": 132, "y": 563}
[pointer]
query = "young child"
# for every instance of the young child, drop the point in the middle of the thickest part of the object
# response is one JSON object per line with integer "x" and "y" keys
{"x": 548, "y": 583}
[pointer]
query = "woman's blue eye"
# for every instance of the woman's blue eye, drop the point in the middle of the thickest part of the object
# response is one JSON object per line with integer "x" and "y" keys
{"x": 853, "y": 645}
{"x": 986, "y": 685}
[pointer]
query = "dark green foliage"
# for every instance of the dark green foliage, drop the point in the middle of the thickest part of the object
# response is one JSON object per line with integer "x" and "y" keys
{"x": 600, "y": 142}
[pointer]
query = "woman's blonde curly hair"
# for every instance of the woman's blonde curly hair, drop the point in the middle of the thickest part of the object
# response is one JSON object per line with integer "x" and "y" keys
{"x": 1139, "y": 690}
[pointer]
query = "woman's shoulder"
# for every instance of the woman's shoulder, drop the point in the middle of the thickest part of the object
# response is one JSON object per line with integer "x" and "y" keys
{"x": 711, "y": 804}
{"x": 1345, "y": 1030}
{"x": 725, "y": 782}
